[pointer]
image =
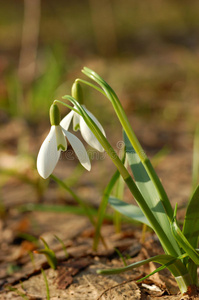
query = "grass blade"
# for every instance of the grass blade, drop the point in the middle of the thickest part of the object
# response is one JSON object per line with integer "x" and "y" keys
{"x": 58, "y": 209}
{"x": 46, "y": 284}
{"x": 195, "y": 171}
{"x": 102, "y": 208}
{"x": 175, "y": 265}
{"x": 121, "y": 256}
{"x": 63, "y": 246}
{"x": 77, "y": 198}
{"x": 10, "y": 288}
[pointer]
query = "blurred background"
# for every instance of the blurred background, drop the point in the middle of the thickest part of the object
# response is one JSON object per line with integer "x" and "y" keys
{"x": 148, "y": 51}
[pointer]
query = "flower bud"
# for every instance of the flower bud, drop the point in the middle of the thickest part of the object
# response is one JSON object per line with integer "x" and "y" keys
{"x": 55, "y": 117}
{"x": 76, "y": 92}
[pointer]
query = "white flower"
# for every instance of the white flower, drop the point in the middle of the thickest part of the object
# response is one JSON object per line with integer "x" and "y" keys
{"x": 50, "y": 150}
{"x": 79, "y": 123}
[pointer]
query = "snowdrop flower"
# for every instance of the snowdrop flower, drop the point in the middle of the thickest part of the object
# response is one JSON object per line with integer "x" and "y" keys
{"x": 80, "y": 124}
{"x": 55, "y": 142}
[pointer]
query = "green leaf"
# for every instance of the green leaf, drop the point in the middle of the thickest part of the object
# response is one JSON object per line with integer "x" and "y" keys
{"x": 119, "y": 193}
{"x": 183, "y": 242}
{"x": 161, "y": 268}
{"x": 59, "y": 209}
{"x": 131, "y": 211}
{"x": 191, "y": 222}
{"x": 46, "y": 284}
{"x": 50, "y": 256}
{"x": 121, "y": 256}
{"x": 174, "y": 265}
{"x": 49, "y": 253}
{"x": 195, "y": 169}
{"x": 63, "y": 245}
{"x": 148, "y": 191}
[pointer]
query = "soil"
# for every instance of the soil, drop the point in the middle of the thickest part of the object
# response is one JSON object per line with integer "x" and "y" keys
{"x": 153, "y": 67}
{"x": 75, "y": 276}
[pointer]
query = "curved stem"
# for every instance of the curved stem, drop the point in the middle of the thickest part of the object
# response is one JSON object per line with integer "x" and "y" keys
{"x": 64, "y": 104}
{"x": 91, "y": 85}
{"x": 127, "y": 178}
{"x": 110, "y": 94}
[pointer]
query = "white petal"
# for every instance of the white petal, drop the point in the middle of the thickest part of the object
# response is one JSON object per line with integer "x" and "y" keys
{"x": 65, "y": 122}
{"x": 87, "y": 134}
{"x": 95, "y": 120}
{"x": 79, "y": 149}
{"x": 60, "y": 138}
{"x": 48, "y": 155}
{"x": 76, "y": 120}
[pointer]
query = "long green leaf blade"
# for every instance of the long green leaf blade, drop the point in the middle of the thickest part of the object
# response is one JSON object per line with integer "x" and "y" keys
{"x": 175, "y": 265}
{"x": 183, "y": 242}
{"x": 191, "y": 222}
{"x": 195, "y": 169}
{"x": 130, "y": 211}
{"x": 148, "y": 191}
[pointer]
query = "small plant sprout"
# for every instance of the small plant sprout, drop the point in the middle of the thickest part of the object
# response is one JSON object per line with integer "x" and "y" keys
{"x": 55, "y": 142}
{"x": 18, "y": 292}
{"x": 49, "y": 253}
{"x": 181, "y": 256}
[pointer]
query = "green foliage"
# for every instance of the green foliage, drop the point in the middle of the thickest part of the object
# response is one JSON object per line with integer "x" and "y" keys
{"x": 49, "y": 253}
{"x": 155, "y": 209}
{"x": 121, "y": 256}
{"x": 195, "y": 172}
{"x": 148, "y": 190}
{"x": 174, "y": 264}
{"x": 27, "y": 101}
{"x": 191, "y": 230}
{"x": 45, "y": 87}
{"x": 102, "y": 208}
{"x": 63, "y": 246}
{"x": 128, "y": 210}
{"x": 150, "y": 196}
{"x": 22, "y": 295}
{"x": 191, "y": 223}
{"x": 46, "y": 284}
{"x": 183, "y": 242}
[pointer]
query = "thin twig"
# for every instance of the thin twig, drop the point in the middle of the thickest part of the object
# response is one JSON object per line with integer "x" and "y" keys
{"x": 119, "y": 284}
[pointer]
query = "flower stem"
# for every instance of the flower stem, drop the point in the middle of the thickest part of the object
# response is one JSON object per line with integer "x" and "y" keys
{"x": 110, "y": 94}
{"x": 127, "y": 178}
{"x": 91, "y": 85}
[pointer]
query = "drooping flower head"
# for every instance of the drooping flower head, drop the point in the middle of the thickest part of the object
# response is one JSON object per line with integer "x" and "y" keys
{"x": 55, "y": 142}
